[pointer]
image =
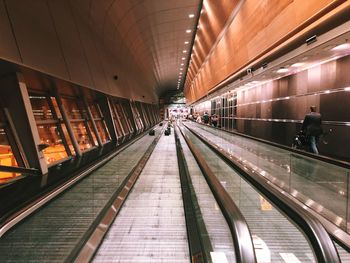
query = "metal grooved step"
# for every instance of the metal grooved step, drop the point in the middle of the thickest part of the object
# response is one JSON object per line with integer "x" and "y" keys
{"x": 151, "y": 225}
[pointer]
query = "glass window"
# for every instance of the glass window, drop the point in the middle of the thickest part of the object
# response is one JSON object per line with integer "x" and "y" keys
{"x": 50, "y": 128}
{"x": 7, "y": 157}
{"x": 50, "y": 135}
{"x": 81, "y": 126}
{"x": 117, "y": 123}
{"x": 81, "y": 135}
{"x": 41, "y": 108}
{"x": 123, "y": 118}
{"x": 74, "y": 109}
{"x": 99, "y": 121}
{"x": 102, "y": 130}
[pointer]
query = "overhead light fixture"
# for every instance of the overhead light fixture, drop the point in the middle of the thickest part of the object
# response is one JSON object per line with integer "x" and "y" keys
{"x": 347, "y": 89}
{"x": 181, "y": 68}
{"x": 186, "y": 42}
{"x": 184, "y": 51}
{"x": 188, "y": 31}
{"x": 341, "y": 47}
{"x": 282, "y": 70}
{"x": 183, "y": 58}
{"x": 191, "y": 15}
{"x": 182, "y": 64}
{"x": 298, "y": 64}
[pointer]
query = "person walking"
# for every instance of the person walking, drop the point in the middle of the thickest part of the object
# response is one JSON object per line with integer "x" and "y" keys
{"x": 312, "y": 128}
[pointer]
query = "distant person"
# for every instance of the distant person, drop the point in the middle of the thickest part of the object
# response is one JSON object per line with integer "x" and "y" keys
{"x": 214, "y": 120}
{"x": 312, "y": 129}
{"x": 199, "y": 119}
{"x": 206, "y": 118}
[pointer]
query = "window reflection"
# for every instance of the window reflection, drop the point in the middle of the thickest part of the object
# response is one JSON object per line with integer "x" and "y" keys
{"x": 41, "y": 108}
{"x": 6, "y": 157}
{"x": 48, "y": 124}
{"x": 82, "y": 136}
{"x": 99, "y": 121}
{"x": 82, "y": 128}
{"x": 102, "y": 130}
{"x": 50, "y": 135}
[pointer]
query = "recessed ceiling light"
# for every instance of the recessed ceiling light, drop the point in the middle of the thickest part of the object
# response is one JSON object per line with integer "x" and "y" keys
{"x": 183, "y": 58}
{"x": 181, "y": 68}
{"x": 341, "y": 47}
{"x": 184, "y": 51}
{"x": 188, "y": 31}
{"x": 180, "y": 73}
{"x": 282, "y": 70}
{"x": 186, "y": 42}
{"x": 182, "y": 64}
{"x": 191, "y": 15}
{"x": 298, "y": 64}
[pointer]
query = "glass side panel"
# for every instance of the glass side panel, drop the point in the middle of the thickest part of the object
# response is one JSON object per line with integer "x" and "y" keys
{"x": 50, "y": 135}
{"x": 81, "y": 134}
{"x": 41, "y": 108}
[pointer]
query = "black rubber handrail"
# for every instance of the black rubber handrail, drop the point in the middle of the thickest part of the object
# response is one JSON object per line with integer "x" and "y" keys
{"x": 323, "y": 158}
{"x": 242, "y": 238}
{"x": 320, "y": 240}
{"x": 199, "y": 242}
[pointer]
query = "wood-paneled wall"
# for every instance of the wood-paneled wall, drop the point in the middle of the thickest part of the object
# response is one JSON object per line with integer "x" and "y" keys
{"x": 259, "y": 26}
{"x": 256, "y": 112}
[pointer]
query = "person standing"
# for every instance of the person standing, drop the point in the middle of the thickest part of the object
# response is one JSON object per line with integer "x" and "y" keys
{"x": 312, "y": 128}
{"x": 214, "y": 120}
{"x": 206, "y": 118}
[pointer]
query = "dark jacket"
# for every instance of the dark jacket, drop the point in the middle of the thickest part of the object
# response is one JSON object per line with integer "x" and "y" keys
{"x": 312, "y": 124}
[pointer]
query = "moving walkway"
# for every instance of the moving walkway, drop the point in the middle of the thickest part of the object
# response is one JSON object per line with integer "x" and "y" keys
{"x": 152, "y": 222}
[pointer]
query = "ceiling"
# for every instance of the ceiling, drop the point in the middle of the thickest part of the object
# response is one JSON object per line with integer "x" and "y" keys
{"x": 147, "y": 36}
